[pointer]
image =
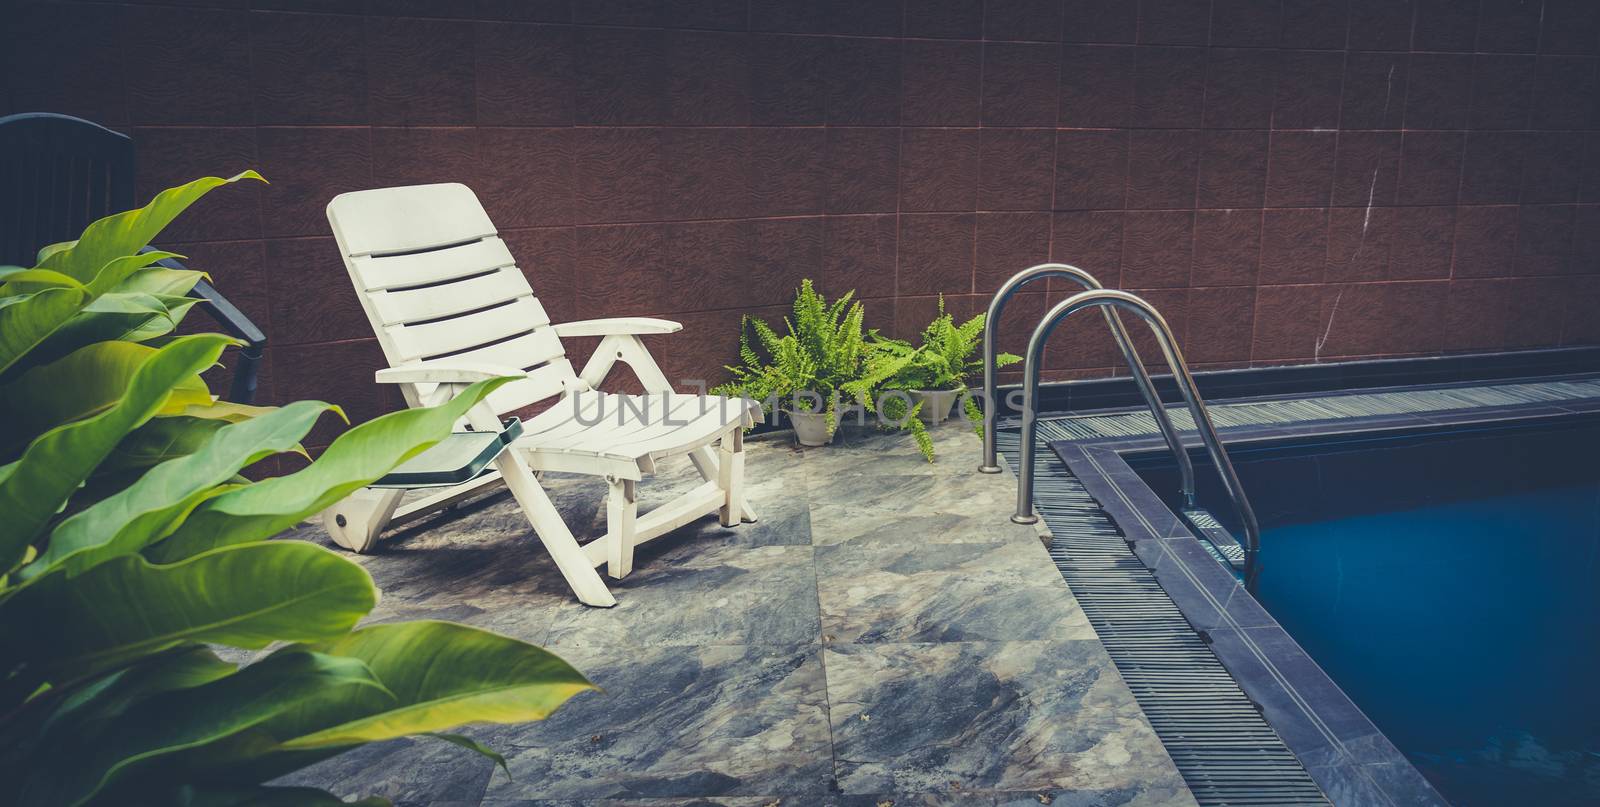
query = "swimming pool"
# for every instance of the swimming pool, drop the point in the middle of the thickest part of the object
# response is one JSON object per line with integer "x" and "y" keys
{"x": 1449, "y": 582}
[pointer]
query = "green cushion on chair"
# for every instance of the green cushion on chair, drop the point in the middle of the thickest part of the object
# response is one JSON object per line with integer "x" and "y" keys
{"x": 453, "y": 460}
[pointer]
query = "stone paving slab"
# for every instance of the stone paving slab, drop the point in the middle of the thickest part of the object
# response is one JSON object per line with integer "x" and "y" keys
{"x": 883, "y": 635}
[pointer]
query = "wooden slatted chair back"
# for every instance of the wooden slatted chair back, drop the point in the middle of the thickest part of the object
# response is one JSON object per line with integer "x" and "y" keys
{"x": 439, "y": 286}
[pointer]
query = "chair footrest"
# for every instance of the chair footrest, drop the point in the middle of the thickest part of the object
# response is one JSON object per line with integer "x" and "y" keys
{"x": 691, "y": 506}
{"x": 458, "y": 458}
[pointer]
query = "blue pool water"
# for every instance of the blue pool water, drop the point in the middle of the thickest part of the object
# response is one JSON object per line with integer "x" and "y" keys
{"x": 1452, "y": 588}
{"x": 1469, "y": 632}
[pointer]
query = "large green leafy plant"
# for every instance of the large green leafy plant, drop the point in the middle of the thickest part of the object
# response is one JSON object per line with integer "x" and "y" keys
{"x": 131, "y": 544}
{"x": 826, "y": 356}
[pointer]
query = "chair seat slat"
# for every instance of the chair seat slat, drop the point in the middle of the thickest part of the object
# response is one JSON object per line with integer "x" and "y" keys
{"x": 606, "y": 425}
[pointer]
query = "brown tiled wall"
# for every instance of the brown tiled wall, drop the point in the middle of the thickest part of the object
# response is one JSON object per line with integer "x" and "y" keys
{"x": 1287, "y": 180}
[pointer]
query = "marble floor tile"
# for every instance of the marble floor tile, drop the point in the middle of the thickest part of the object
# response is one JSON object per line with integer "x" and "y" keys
{"x": 868, "y": 450}
{"x": 421, "y": 769}
{"x": 701, "y": 592}
{"x": 833, "y": 462}
{"x": 944, "y": 593}
{"x": 998, "y": 716}
{"x": 678, "y": 722}
{"x": 848, "y": 525}
{"x": 1154, "y": 796}
{"x": 722, "y": 801}
{"x": 915, "y": 509}
{"x": 1128, "y": 797}
{"x": 954, "y": 797}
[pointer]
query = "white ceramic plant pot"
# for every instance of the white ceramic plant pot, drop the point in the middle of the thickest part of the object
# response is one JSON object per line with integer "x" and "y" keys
{"x": 810, "y": 428}
{"x": 936, "y": 404}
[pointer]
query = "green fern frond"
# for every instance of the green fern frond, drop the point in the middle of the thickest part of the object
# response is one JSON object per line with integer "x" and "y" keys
{"x": 919, "y": 433}
{"x": 969, "y": 405}
{"x": 747, "y": 354}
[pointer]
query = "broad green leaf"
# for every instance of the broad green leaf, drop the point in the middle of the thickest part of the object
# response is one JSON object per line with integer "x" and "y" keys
{"x": 446, "y": 675}
{"x": 123, "y": 267}
{"x": 18, "y": 280}
{"x": 152, "y": 327}
{"x": 151, "y": 507}
{"x": 80, "y": 759}
{"x": 162, "y": 439}
{"x": 5, "y": 579}
{"x": 355, "y": 459}
{"x": 126, "y": 233}
{"x": 25, "y": 320}
{"x": 133, "y": 317}
{"x": 161, "y": 280}
{"x": 227, "y": 411}
{"x": 71, "y": 627}
{"x": 82, "y": 384}
{"x": 65, "y": 711}
{"x": 470, "y": 744}
{"x": 34, "y": 488}
{"x": 50, "y": 249}
{"x": 103, "y": 699}
{"x": 442, "y": 675}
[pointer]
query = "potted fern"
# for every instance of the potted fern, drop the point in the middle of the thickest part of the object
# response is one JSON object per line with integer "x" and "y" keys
{"x": 826, "y": 359}
{"x": 806, "y": 369}
{"x": 934, "y": 374}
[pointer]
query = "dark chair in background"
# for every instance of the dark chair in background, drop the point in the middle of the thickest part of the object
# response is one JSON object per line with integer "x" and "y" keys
{"x": 57, "y": 175}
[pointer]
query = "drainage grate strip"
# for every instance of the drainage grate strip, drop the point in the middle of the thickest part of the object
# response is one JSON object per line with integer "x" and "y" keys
{"x": 1223, "y": 747}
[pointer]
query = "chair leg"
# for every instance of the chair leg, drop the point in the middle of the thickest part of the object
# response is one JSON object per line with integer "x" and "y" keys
{"x": 356, "y": 522}
{"x": 553, "y": 532}
{"x": 730, "y": 477}
{"x": 622, "y": 514}
{"x": 705, "y": 461}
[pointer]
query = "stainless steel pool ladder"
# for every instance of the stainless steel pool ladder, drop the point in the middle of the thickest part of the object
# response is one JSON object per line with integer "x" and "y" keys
{"x": 991, "y": 325}
{"x": 1108, "y": 299}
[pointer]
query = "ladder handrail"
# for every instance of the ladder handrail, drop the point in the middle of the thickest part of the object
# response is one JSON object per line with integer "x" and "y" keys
{"x": 1180, "y": 371}
{"x": 1141, "y": 377}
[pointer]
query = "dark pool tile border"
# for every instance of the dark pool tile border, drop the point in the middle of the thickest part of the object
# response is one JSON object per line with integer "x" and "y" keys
{"x": 1340, "y": 747}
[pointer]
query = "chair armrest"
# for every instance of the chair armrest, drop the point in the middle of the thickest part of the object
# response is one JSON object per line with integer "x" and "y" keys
{"x": 618, "y": 326}
{"x": 446, "y": 373}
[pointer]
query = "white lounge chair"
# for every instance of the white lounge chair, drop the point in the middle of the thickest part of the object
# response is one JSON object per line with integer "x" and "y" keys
{"x": 450, "y": 307}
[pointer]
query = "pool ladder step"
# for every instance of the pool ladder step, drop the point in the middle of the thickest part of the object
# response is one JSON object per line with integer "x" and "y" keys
{"x": 1224, "y": 546}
